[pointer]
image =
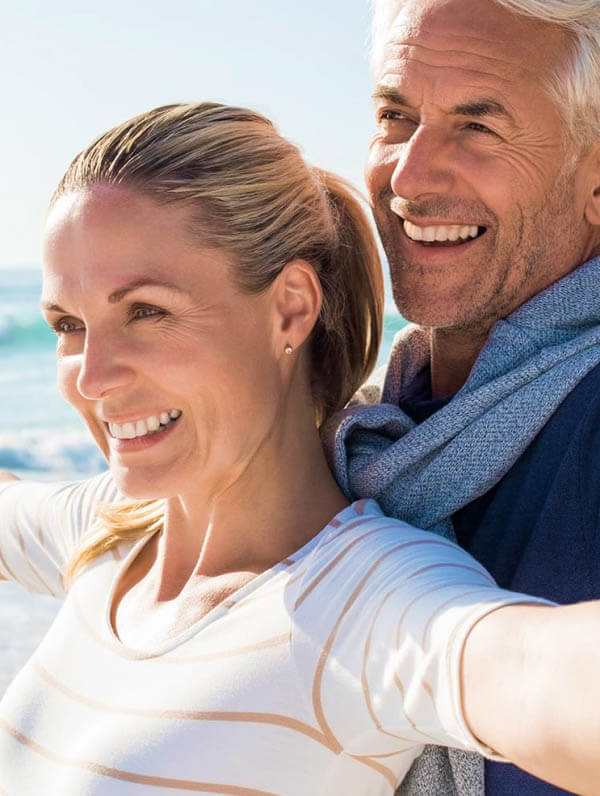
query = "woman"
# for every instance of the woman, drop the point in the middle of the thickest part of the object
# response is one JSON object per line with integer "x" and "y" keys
{"x": 235, "y": 626}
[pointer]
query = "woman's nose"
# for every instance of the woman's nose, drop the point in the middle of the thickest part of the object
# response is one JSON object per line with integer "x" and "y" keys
{"x": 423, "y": 167}
{"x": 104, "y": 368}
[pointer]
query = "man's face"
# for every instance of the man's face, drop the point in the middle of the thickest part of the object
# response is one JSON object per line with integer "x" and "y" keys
{"x": 478, "y": 201}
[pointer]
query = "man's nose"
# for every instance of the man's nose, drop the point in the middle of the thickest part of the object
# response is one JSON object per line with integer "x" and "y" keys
{"x": 104, "y": 368}
{"x": 423, "y": 167}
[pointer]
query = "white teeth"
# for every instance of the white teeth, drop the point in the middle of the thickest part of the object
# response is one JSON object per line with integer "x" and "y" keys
{"x": 153, "y": 423}
{"x": 128, "y": 430}
{"x": 140, "y": 428}
{"x": 451, "y": 232}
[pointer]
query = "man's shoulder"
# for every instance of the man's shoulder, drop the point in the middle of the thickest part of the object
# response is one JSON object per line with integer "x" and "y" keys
{"x": 371, "y": 391}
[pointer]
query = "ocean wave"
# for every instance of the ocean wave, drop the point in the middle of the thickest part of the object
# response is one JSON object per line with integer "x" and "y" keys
{"x": 60, "y": 453}
{"x": 30, "y": 331}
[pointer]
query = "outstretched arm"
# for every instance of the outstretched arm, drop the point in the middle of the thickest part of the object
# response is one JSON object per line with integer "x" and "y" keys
{"x": 42, "y": 523}
{"x": 531, "y": 690}
{"x": 5, "y": 475}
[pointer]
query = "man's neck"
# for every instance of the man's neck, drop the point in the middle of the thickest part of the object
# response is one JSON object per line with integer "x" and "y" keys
{"x": 453, "y": 354}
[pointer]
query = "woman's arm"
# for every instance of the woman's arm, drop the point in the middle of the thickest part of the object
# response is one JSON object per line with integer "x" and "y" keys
{"x": 531, "y": 690}
{"x": 41, "y": 525}
{"x": 6, "y": 476}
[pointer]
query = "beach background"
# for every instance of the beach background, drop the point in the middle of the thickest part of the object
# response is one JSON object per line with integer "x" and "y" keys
{"x": 42, "y": 438}
{"x": 72, "y": 70}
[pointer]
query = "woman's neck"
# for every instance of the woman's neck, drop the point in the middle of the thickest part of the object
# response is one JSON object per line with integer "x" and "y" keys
{"x": 278, "y": 502}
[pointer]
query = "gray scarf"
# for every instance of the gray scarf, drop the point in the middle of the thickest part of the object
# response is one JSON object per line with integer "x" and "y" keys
{"x": 424, "y": 473}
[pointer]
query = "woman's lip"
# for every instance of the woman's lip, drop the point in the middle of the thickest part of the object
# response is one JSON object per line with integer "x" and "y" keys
{"x": 140, "y": 443}
{"x": 130, "y": 418}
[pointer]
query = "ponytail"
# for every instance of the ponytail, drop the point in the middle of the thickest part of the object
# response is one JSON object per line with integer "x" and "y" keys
{"x": 345, "y": 341}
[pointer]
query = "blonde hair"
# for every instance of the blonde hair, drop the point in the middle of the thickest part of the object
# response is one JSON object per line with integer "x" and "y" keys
{"x": 574, "y": 86}
{"x": 253, "y": 195}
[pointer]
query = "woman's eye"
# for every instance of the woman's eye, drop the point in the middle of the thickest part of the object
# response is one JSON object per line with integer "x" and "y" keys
{"x": 67, "y": 326}
{"x": 140, "y": 311}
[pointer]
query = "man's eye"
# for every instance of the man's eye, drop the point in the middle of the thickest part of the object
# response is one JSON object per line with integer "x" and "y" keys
{"x": 67, "y": 326}
{"x": 480, "y": 128}
{"x": 391, "y": 116}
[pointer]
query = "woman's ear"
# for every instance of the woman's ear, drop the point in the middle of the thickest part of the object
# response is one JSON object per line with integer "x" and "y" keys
{"x": 297, "y": 300}
{"x": 592, "y": 204}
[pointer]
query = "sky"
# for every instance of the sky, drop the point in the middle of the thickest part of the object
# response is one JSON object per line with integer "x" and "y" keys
{"x": 72, "y": 69}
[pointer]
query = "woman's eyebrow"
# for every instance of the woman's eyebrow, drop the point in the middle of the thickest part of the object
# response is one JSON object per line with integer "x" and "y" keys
{"x": 50, "y": 306}
{"x": 119, "y": 295}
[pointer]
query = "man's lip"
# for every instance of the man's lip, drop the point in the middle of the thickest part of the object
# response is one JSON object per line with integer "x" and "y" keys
{"x": 419, "y": 222}
{"x": 426, "y": 253}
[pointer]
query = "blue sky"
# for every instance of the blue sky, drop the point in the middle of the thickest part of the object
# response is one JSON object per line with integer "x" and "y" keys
{"x": 72, "y": 69}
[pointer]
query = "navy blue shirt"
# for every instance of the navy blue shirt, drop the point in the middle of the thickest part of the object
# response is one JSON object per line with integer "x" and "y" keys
{"x": 537, "y": 530}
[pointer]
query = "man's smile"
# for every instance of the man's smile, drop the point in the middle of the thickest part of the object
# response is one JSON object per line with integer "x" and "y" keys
{"x": 445, "y": 234}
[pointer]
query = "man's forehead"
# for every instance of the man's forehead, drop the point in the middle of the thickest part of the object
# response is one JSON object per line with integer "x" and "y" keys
{"x": 450, "y": 32}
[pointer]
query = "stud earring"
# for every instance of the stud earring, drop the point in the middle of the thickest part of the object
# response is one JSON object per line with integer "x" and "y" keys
{"x": 288, "y": 349}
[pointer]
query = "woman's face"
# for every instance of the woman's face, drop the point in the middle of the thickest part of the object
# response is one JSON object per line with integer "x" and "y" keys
{"x": 175, "y": 372}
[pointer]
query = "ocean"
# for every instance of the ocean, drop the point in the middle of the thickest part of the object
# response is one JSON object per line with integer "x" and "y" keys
{"x": 42, "y": 438}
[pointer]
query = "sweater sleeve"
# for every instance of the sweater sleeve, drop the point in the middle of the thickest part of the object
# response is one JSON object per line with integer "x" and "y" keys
{"x": 41, "y": 525}
{"x": 382, "y": 616}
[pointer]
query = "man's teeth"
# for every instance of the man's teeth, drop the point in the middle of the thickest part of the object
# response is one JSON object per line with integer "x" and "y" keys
{"x": 149, "y": 425}
{"x": 440, "y": 233}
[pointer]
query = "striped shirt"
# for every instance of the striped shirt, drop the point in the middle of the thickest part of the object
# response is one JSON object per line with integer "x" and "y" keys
{"x": 326, "y": 674}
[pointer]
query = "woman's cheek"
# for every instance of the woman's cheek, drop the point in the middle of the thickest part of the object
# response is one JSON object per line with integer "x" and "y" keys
{"x": 67, "y": 373}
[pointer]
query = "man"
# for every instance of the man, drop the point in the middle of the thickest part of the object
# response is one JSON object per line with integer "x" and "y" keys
{"x": 484, "y": 178}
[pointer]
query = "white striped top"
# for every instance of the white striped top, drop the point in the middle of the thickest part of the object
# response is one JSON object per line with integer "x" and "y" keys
{"x": 325, "y": 674}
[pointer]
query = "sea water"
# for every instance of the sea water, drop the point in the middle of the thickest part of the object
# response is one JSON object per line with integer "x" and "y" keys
{"x": 42, "y": 438}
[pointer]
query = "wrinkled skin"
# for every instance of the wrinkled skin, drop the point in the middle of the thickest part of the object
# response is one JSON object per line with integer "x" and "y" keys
{"x": 466, "y": 135}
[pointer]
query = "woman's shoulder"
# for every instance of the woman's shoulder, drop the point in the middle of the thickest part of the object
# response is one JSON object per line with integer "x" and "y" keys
{"x": 363, "y": 530}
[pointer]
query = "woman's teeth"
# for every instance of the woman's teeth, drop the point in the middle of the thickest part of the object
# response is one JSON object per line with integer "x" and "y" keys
{"x": 149, "y": 425}
{"x": 441, "y": 234}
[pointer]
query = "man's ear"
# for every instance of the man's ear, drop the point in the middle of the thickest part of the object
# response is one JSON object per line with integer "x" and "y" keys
{"x": 592, "y": 204}
{"x": 298, "y": 297}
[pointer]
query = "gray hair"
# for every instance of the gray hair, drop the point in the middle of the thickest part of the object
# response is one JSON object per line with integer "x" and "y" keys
{"x": 575, "y": 85}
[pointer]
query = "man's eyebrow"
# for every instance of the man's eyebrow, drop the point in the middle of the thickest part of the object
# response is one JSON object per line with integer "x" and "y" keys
{"x": 390, "y": 95}
{"x": 483, "y": 107}
{"x": 119, "y": 295}
{"x": 477, "y": 108}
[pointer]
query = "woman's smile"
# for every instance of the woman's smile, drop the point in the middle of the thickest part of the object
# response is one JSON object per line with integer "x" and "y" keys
{"x": 140, "y": 435}
{"x": 152, "y": 424}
